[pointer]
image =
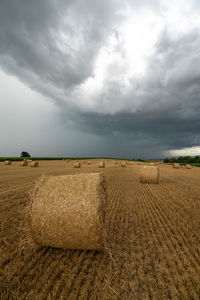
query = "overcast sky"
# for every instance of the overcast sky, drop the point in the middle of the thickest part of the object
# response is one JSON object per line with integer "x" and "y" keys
{"x": 100, "y": 78}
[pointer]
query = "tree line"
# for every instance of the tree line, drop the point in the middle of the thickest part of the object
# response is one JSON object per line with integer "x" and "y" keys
{"x": 183, "y": 159}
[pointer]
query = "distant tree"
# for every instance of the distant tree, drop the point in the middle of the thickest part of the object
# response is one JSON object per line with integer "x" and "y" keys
{"x": 25, "y": 154}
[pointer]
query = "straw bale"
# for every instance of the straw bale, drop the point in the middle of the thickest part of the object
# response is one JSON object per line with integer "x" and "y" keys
{"x": 24, "y": 163}
{"x": 34, "y": 164}
{"x": 77, "y": 165}
{"x": 176, "y": 166}
{"x": 7, "y": 162}
{"x": 150, "y": 174}
{"x": 123, "y": 164}
{"x": 89, "y": 162}
{"x": 68, "y": 212}
{"x": 101, "y": 164}
{"x": 188, "y": 167}
{"x": 152, "y": 164}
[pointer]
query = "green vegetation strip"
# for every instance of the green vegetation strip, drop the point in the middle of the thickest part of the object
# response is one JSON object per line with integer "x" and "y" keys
{"x": 61, "y": 158}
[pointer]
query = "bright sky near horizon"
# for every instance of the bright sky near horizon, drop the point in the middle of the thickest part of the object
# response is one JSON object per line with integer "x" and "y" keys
{"x": 100, "y": 78}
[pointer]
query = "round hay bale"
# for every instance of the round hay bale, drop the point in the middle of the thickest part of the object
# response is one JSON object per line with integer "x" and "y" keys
{"x": 34, "y": 164}
{"x": 101, "y": 164}
{"x": 176, "y": 166}
{"x": 89, "y": 162}
{"x": 150, "y": 174}
{"x": 7, "y": 162}
{"x": 24, "y": 163}
{"x": 188, "y": 166}
{"x": 152, "y": 164}
{"x": 123, "y": 164}
{"x": 77, "y": 165}
{"x": 67, "y": 212}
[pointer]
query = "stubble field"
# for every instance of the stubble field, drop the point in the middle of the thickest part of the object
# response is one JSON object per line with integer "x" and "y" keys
{"x": 154, "y": 238}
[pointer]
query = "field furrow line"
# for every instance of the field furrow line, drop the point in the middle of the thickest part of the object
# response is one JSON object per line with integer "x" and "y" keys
{"x": 174, "y": 243}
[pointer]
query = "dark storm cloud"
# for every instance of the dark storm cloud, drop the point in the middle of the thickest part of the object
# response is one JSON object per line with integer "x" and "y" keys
{"x": 52, "y": 47}
{"x": 53, "y": 44}
{"x": 167, "y": 98}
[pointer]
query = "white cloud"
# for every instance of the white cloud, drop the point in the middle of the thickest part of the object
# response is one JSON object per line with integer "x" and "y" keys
{"x": 191, "y": 151}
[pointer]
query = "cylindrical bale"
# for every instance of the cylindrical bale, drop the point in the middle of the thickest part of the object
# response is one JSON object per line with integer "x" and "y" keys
{"x": 34, "y": 164}
{"x": 176, "y": 166}
{"x": 77, "y": 165}
{"x": 24, "y": 163}
{"x": 101, "y": 164}
{"x": 123, "y": 164}
{"x": 152, "y": 164}
{"x": 150, "y": 174}
{"x": 188, "y": 166}
{"x": 7, "y": 162}
{"x": 89, "y": 162}
{"x": 67, "y": 212}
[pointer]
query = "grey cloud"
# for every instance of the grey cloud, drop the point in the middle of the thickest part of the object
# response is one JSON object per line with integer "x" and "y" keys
{"x": 52, "y": 47}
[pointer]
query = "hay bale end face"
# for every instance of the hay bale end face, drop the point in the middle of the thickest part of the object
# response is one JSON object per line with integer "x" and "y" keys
{"x": 34, "y": 164}
{"x": 188, "y": 166}
{"x": 176, "y": 166}
{"x": 77, "y": 165}
{"x": 101, "y": 164}
{"x": 64, "y": 216}
{"x": 150, "y": 174}
{"x": 7, "y": 162}
{"x": 24, "y": 163}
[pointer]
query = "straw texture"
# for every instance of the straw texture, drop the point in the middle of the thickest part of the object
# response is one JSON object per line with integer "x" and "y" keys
{"x": 34, "y": 164}
{"x": 150, "y": 174}
{"x": 77, "y": 165}
{"x": 188, "y": 166}
{"x": 123, "y": 164}
{"x": 67, "y": 212}
{"x": 176, "y": 166}
{"x": 24, "y": 163}
{"x": 101, "y": 164}
{"x": 7, "y": 162}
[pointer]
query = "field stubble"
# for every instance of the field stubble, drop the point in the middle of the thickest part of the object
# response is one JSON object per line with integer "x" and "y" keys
{"x": 154, "y": 240}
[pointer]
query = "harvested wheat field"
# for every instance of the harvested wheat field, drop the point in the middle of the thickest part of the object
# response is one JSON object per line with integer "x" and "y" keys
{"x": 153, "y": 238}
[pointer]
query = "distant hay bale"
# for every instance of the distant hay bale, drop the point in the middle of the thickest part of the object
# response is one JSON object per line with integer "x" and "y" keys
{"x": 188, "y": 166}
{"x": 152, "y": 164}
{"x": 71, "y": 215}
{"x": 24, "y": 163}
{"x": 7, "y": 162}
{"x": 34, "y": 164}
{"x": 101, "y": 164}
{"x": 123, "y": 164}
{"x": 77, "y": 165}
{"x": 150, "y": 174}
{"x": 176, "y": 166}
{"x": 89, "y": 162}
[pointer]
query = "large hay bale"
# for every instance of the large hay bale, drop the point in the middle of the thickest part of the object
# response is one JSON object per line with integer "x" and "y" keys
{"x": 152, "y": 164}
{"x": 101, "y": 164}
{"x": 67, "y": 211}
{"x": 24, "y": 163}
{"x": 150, "y": 174}
{"x": 123, "y": 164}
{"x": 34, "y": 164}
{"x": 89, "y": 162}
{"x": 176, "y": 166}
{"x": 7, "y": 162}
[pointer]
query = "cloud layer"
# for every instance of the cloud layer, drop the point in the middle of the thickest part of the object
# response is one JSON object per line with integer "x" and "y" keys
{"x": 124, "y": 72}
